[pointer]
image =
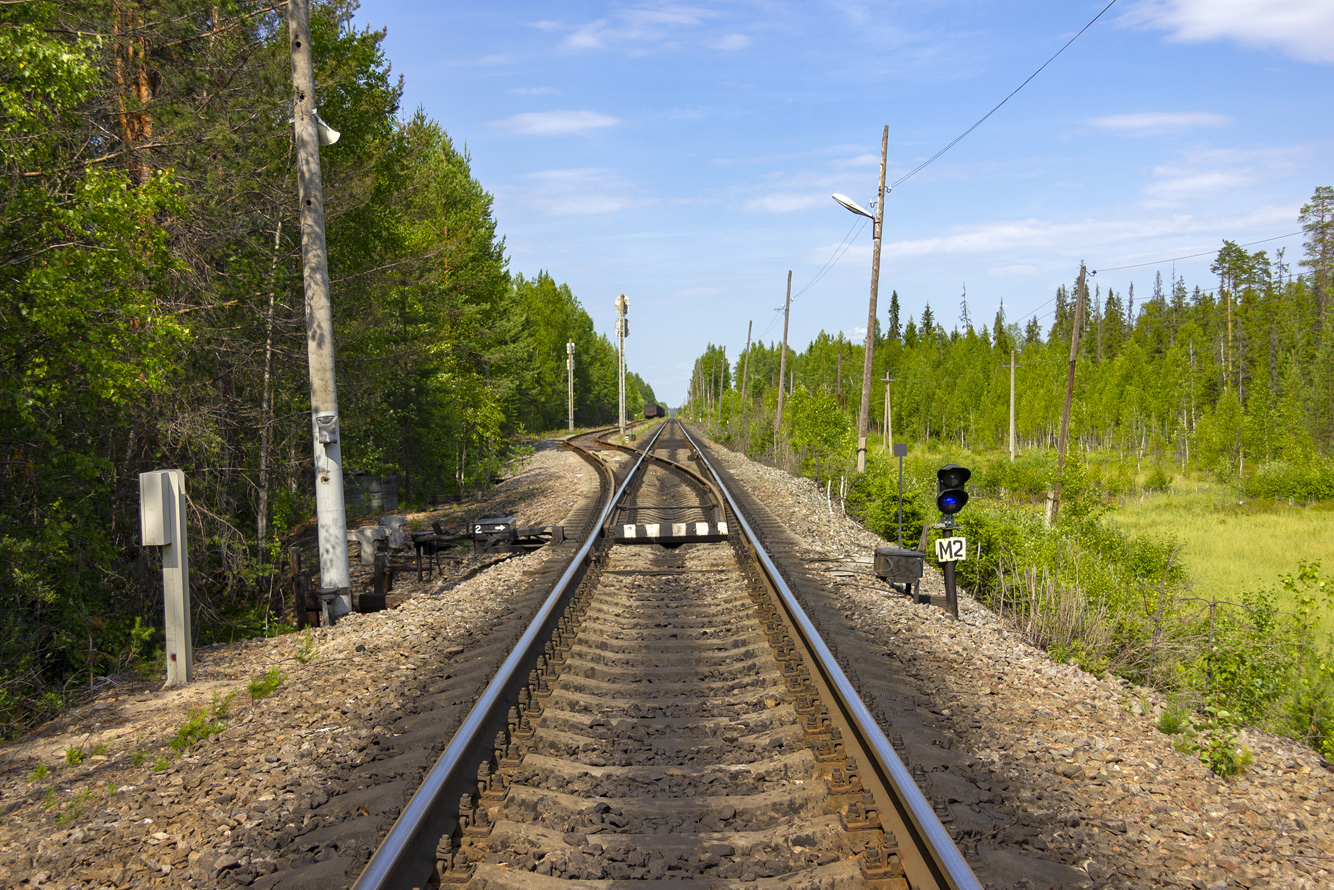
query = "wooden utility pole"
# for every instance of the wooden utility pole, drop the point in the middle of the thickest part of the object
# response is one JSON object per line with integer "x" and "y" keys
{"x": 1054, "y": 498}
{"x": 722, "y": 377}
{"x": 1011, "y": 367}
{"x": 889, "y": 418}
{"x": 332, "y": 520}
{"x": 838, "y": 375}
{"x": 864, "y": 420}
{"x": 745, "y": 374}
{"x": 782, "y": 356}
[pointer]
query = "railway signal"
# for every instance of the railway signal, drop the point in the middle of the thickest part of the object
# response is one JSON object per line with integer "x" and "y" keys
{"x": 622, "y": 331}
{"x": 951, "y": 497}
{"x": 569, "y": 370}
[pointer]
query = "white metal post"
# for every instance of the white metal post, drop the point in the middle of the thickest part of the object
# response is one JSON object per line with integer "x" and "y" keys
{"x": 569, "y": 368}
{"x": 162, "y": 523}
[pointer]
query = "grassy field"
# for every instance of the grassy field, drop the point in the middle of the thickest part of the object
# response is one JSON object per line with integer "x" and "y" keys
{"x": 1230, "y": 547}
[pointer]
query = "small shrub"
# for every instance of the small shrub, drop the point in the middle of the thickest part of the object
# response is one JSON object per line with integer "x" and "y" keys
{"x": 1174, "y": 719}
{"x": 307, "y": 653}
{"x": 38, "y": 773}
{"x": 221, "y": 708}
{"x": 263, "y": 687}
{"x": 163, "y": 761}
{"x": 77, "y": 808}
{"x": 1157, "y": 479}
{"x": 1220, "y": 752}
{"x": 73, "y": 756}
{"x": 100, "y": 749}
{"x": 196, "y": 729}
{"x": 137, "y": 758}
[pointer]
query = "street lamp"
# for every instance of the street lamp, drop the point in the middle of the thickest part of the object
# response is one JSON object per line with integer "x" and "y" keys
{"x": 864, "y": 421}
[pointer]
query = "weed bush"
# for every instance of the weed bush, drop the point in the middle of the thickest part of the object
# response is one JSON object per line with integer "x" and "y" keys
{"x": 199, "y": 727}
{"x": 264, "y": 686}
{"x": 1305, "y": 481}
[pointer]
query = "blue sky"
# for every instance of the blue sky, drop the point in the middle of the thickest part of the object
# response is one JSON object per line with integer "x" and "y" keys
{"x": 684, "y": 153}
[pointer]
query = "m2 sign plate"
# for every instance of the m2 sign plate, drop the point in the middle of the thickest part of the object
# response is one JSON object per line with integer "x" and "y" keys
{"x": 951, "y": 549}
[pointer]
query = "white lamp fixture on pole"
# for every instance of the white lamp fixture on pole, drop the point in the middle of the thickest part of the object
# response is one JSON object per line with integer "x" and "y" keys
{"x": 622, "y": 331}
{"x": 864, "y": 421}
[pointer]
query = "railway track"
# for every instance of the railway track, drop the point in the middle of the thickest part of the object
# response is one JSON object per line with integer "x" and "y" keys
{"x": 671, "y": 714}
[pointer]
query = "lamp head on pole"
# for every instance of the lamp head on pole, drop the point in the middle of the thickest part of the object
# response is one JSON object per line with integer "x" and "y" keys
{"x": 853, "y": 206}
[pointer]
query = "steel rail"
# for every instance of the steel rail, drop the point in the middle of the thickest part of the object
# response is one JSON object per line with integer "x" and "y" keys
{"x": 406, "y": 858}
{"x": 948, "y": 867}
{"x": 681, "y": 468}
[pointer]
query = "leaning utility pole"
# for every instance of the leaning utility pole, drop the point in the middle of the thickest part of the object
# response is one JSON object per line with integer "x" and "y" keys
{"x": 782, "y": 356}
{"x": 745, "y": 374}
{"x": 334, "y": 575}
{"x": 864, "y": 421}
{"x": 1054, "y": 498}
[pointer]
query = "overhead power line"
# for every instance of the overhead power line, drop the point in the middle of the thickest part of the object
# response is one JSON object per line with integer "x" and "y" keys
{"x": 980, "y": 121}
{"x": 1189, "y": 256}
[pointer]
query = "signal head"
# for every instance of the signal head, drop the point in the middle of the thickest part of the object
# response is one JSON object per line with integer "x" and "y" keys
{"x": 951, "y": 496}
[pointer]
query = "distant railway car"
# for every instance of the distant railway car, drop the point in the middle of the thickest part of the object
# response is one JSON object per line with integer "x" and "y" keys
{"x": 651, "y": 411}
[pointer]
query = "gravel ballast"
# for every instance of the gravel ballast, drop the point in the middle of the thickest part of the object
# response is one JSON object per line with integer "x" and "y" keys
{"x": 300, "y": 786}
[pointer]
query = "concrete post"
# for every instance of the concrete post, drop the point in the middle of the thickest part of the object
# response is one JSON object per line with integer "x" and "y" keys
{"x": 162, "y": 524}
{"x": 332, "y": 520}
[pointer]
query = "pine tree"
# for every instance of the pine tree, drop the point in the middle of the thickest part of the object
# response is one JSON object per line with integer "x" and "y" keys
{"x": 894, "y": 332}
{"x": 1317, "y": 219}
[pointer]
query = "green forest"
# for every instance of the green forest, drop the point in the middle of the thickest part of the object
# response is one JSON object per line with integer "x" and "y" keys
{"x": 152, "y": 316}
{"x": 1234, "y": 376}
{"x": 1227, "y": 383}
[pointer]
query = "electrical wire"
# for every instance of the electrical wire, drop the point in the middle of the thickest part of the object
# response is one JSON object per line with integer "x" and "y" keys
{"x": 1189, "y": 256}
{"x": 842, "y": 248}
{"x": 980, "y": 121}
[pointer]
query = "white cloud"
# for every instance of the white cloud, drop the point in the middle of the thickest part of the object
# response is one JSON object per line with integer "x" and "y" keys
{"x": 1209, "y": 173}
{"x": 1154, "y": 122}
{"x": 855, "y": 335}
{"x": 1023, "y": 270}
{"x": 785, "y": 202}
{"x": 533, "y": 91}
{"x": 654, "y": 23}
{"x": 579, "y": 191}
{"x": 730, "y": 42}
{"x": 1107, "y": 237}
{"x": 555, "y": 123}
{"x": 1303, "y": 29}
